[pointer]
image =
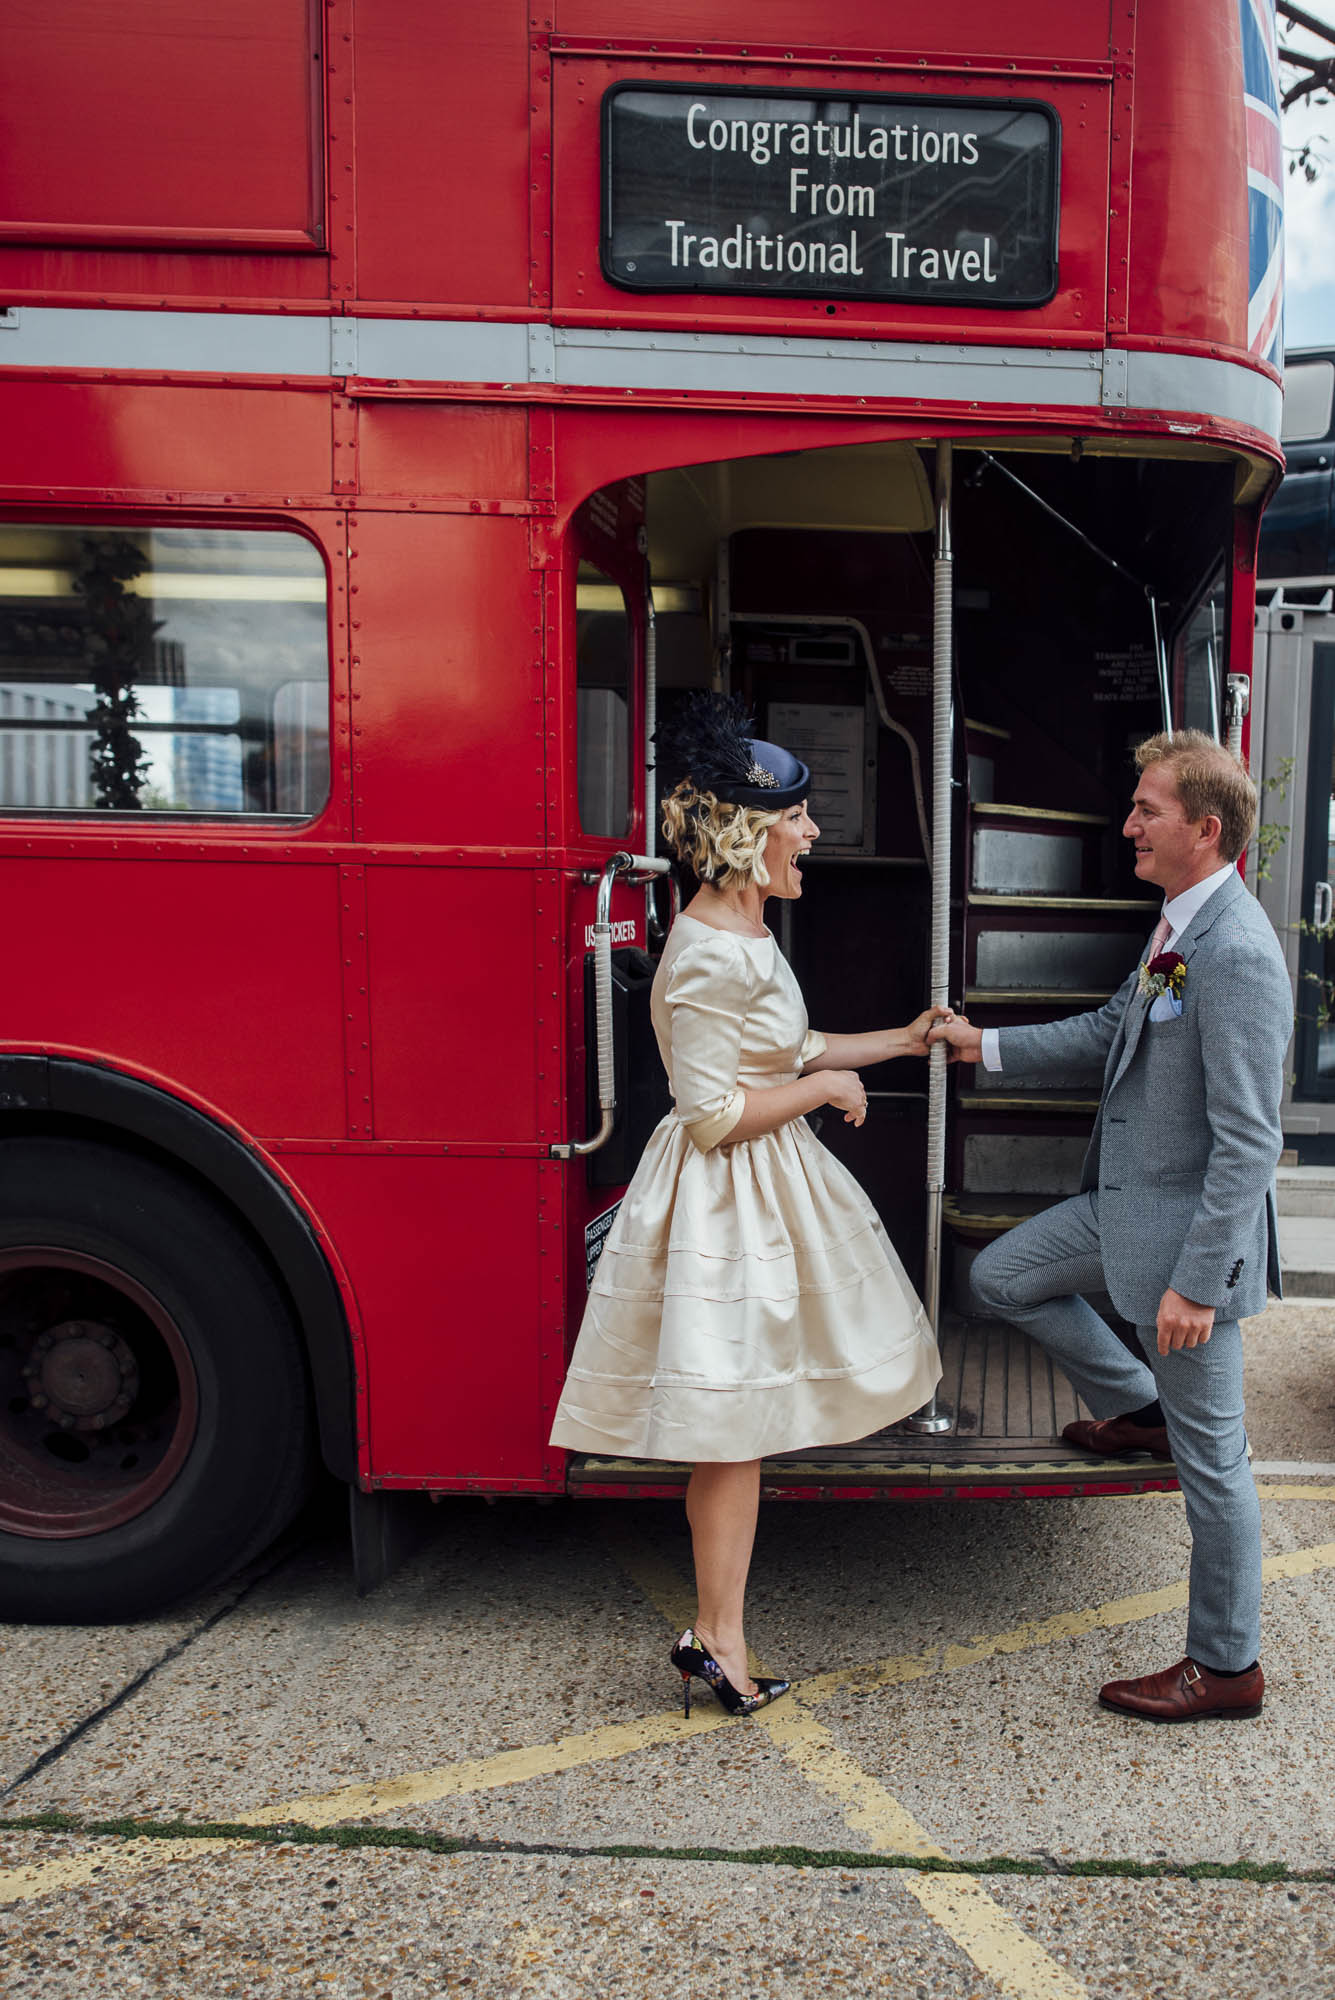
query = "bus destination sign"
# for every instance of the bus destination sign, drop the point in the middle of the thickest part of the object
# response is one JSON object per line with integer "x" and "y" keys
{"x": 926, "y": 199}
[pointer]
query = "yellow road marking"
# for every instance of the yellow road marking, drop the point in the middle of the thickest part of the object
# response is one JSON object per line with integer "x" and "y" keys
{"x": 994, "y": 1941}
{"x": 868, "y": 1807}
{"x": 1283, "y": 1489}
{"x": 1044, "y": 1631}
{"x": 989, "y": 1935}
{"x": 478, "y": 1774}
{"x": 124, "y": 1857}
{"x": 516, "y": 1767}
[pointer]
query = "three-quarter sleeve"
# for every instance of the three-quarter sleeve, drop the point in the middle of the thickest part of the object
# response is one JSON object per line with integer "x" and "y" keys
{"x": 814, "y": 1044}
{"x": 708, "y": 991}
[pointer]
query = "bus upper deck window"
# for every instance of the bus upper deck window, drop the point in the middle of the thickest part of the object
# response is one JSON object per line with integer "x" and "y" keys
{"x": 181, "y": 670}
{"x": 604, "y": 650}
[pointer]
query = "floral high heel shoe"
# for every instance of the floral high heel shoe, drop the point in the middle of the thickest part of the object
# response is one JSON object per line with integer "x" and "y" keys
{"x": 690, "y": 1657}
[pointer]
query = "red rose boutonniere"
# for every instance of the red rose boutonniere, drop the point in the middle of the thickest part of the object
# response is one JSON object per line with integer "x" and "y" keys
{"x": 1166, "y": 972}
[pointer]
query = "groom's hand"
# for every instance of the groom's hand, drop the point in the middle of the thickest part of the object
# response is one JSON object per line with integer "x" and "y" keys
{"x": 1182, "y": 1323}
{"x": 964, "y": 1042}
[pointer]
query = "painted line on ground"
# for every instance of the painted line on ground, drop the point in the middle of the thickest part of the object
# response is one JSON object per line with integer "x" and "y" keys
{"x": 516, "y": 1767}
{"x": 507, "y": 1767}
{"x": 116, "y": 1859}
{"x": 322, "y": 1809}
{"x": 959, "y": 1904}
{"x": 1040, "y": 1632}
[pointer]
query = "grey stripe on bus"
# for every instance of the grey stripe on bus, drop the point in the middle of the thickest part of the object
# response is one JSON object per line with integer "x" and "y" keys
{"x": 519, "y": 354}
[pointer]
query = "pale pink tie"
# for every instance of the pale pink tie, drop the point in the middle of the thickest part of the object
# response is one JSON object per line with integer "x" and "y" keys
{"x": 1162, "y": 932}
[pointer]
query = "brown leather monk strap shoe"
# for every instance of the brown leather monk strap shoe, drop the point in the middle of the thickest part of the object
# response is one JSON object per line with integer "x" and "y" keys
{"x": 1118, "y": 1437}
{"x": 1188, "y": 1692}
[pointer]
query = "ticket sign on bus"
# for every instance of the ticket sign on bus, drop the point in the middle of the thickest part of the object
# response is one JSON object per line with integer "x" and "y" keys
{"x": 929, "y": 199}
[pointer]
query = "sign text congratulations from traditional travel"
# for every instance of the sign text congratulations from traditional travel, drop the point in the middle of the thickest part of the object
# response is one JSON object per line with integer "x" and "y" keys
{"x": 916, "y": 198}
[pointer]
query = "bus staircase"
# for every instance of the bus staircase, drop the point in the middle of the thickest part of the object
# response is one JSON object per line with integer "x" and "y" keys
{"x": 1041, "y": 942}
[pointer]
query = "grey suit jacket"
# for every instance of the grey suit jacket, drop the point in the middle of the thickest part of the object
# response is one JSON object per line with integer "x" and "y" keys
{"x": 1188, "y": 1136}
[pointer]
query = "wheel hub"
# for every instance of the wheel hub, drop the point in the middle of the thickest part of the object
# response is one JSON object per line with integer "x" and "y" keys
{"x": 82, "y": 1374}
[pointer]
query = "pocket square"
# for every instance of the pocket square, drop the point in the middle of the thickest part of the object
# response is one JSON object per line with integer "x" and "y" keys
{"x": 1167, "y": 1007}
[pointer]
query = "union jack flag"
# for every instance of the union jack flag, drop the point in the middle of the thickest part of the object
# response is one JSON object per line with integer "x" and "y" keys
{"x": 1265, "y": 181}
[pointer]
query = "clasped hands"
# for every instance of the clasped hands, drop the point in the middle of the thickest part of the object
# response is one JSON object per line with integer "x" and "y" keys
{"x": 964, "y": 1042}
{"x": 846, "y": 1054}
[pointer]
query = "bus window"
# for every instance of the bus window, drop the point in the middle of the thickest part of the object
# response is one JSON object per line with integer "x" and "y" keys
{"x": 162, "y": 670}
{"x": 604, "y": 652}
{"x": 1199, "y": 665}
{"x": 1309, "y": 387}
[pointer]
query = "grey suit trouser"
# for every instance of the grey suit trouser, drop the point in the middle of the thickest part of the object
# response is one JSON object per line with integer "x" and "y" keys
{"x": 1035, "y": 1276}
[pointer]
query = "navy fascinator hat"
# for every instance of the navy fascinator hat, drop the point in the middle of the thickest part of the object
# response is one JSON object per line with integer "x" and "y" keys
{"x": 709, "y": 742}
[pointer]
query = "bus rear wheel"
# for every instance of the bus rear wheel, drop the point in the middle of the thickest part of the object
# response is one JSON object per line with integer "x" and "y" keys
{"x": 154, "y": 1415}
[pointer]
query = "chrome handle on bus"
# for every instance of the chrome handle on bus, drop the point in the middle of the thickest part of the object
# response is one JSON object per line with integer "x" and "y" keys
{"x": 1237, "y": 701}
{"x": 654, "y": 931}
{"x": 1323, "y": 906}
{"x": 620, "y": 864}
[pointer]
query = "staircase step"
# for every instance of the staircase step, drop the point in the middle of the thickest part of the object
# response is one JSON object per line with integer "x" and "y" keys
{"x": 987, "y": 899}
{"x": 1014, "y": 1083}
{"x": 1032, "y": 1103}
{"x": 1307, "y": 1191}
{"x": 1307, "y": 1255}
{"x": 1035, "y": 996}
{"x": 979, "y": 1217}
{"x": 1007, "y": 1164}
{"x": 1027, "y": 862}
{"x": 995, "y": 810}
{"x": 982, "y": 777}
{"x": 1054, "y": 959}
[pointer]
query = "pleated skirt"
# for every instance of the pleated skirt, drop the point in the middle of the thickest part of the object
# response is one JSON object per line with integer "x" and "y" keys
{"x": 748, "y": 1301}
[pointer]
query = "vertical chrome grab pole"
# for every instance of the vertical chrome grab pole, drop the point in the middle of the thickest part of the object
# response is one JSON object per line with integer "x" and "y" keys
{"x": 650, "y": 712}
{"x": 653, "y": 930}
{"x": 932, "y": 1417}
{"x": 1160, "y": 661}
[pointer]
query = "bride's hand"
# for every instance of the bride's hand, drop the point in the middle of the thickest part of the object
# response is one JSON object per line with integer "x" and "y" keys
{"x": 916, "y": 1032}
{"x": 845, "y": 1092}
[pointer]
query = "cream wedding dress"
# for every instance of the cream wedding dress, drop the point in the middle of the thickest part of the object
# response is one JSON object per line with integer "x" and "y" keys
{"x": 748, "y": 1300}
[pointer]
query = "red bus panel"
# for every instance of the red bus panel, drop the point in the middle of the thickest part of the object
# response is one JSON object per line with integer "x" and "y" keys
{"x": 218, "y": 972}
{"x": 231, "y": 96}
{"x": 974, "y": 28}
{"x": 443, "y": 141}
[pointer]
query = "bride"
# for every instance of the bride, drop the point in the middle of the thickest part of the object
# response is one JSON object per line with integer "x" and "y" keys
{"x": 748, "y": 1300}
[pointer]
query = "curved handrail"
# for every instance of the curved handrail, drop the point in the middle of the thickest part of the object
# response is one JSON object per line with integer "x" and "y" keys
{"x": 621, "y": 863}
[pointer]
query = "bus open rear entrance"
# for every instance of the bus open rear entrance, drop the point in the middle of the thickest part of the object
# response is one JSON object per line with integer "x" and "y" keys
{"x": 1091, "y": 599}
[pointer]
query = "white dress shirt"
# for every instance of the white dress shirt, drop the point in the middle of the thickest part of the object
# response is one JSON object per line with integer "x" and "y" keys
{"x": 1179, "y": 911}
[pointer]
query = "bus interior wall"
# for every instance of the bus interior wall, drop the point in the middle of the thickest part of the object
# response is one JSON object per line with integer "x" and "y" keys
{"x": 1056, "y": 682}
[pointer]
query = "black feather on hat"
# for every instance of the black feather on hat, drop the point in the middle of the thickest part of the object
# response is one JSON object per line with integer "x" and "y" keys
{"x": 709, "y": 741}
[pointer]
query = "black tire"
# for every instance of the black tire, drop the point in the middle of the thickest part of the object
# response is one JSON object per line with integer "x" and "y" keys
{"x": 155, "y": 1429}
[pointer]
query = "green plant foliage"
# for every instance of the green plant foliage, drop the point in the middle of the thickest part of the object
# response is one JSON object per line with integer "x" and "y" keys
{"x": 118, "y": 646}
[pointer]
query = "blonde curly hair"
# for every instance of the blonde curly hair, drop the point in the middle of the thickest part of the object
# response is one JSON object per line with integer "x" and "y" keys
{"x": 720, "y": 843}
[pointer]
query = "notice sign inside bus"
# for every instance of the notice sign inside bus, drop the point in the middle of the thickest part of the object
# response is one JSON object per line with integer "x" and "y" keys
{"x": 931, "y": 199}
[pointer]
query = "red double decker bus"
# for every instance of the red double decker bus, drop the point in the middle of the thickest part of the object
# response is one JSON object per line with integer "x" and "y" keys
{"x": 401, "y": 405}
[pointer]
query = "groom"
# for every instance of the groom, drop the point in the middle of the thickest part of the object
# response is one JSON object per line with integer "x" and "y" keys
{"x": 1176, "y": 1217}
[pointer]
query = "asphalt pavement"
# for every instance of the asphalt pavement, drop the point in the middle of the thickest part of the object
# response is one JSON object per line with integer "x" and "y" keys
{"x": 479, "y": 1779}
